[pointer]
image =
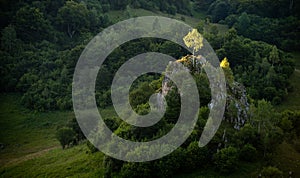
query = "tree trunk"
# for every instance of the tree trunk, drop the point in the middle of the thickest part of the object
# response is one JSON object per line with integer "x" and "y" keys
{"x": 291, "y": 4}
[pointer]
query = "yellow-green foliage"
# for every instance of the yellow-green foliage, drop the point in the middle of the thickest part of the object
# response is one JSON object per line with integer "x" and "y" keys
{"x": 194, "y": 40}
{"x": 224, "y": 64}
{"x": 227, "y": 70}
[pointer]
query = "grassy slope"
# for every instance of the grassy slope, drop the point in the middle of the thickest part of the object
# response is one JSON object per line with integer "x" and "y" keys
{"x": 292, "y": 101}
{"x": 31, "y": 149}
{"x": 41, "y": 155}
{"x": 287, "y": 158}
{"x": 24, "y": 132}
{"x": 72, "y": 162}
{"x": 192, "y": 21}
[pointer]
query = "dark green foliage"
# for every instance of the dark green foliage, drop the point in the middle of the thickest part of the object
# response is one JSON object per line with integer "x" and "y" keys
{"x": 91, "y": 147}
{"x": 71, "y": 134}
{"x": 40, "y": 62}
{"x": 219, "y": 10}
{"x": 196, "y": 157}
{"x": 169, "y": 165}
{"x": 266, "y": 120}
{"x": 248, "y": 153}
{"x": 165, "y": 167}
{"x": 270, "y": 171}
{"x": 31, "y": 24}
{"x": 266, "y": 8}
{"x": 104, "y": 99}
{"x": 41, "y": 42}
{"x": 9, "y": 40}
{"x": 112, "y": 166}
{"x": 290, "y": 122}
{"x": 226, "y": 160}
{"x": 248, "y": 135}
{"x": 203, "y": 88}
{"x": 171, "y": 49}
{"x": 65, "y": 136}
{"x": 173, "y": 108}
{"x": 141, "y": 95}
{"x": 73, "y": 17}
{"x": 262, "y": 68}
{"x": 274, "y": 22}
{"x": 281, "y": 32}
{"x": 136, "y": 170}
{"x": 112, "y": 123}
{"x": 202, "y": 5}
{"x": 73, "y": 124}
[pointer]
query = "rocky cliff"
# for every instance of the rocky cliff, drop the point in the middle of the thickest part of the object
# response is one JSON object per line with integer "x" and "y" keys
{"x": 237, "y": 105}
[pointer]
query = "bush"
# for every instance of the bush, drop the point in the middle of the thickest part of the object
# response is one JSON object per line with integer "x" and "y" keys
{"x": 226, "y": 159}
{"x": 73, "y": 124}
{"x": 196, "y": 157}
{"x": 169, "y": 165}
{"x": 66, "y": 136}
{"x": 111, "y": 166}
{"x": 91, "y": 147}
{"x": 270, "y": 171}
{"x": 248, "y": 153}
{"x": 136, "y": 170}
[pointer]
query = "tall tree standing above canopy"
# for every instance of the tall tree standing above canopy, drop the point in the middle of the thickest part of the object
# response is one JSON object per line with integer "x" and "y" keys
{"x": 73, "y": 17}
{"x": 31, "y": 24}
{"x": 9, "y": 39}
{"x": 194, "y": 40}
{"x": 274, "y": 56}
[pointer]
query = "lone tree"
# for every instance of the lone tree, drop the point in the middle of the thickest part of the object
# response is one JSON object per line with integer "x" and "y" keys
{"x": 65, "y": 136}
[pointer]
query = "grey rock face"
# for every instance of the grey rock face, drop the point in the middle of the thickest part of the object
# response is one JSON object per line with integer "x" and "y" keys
{"x": 237, "y": 105}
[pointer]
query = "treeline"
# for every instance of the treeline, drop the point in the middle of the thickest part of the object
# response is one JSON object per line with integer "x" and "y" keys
{"x": 167, "y": 6}
{"x": 261, "y": 67}
{"x": 51, "y": 8}
{"x": 40, "y": 46}
{"x": 282, "y": 32}
{"x": 275, "y": 22}
{"x": 220, "y": 9}
{"x": 42, "y": 41}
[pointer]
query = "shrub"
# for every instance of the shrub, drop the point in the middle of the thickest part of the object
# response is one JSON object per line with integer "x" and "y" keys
{"x": 248, "y": 153}
{"x": 226, "y": 159}
{"x": 270, "y": 171}
{"x": 132, "y": 170}
{"x": 195, "y": 156}
{"x": 91, "y": 147}
{"x": 65, "y": 136}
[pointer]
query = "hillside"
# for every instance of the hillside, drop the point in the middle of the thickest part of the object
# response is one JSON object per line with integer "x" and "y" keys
{"x": 192, "y": 21}
{"x": 292, "y": 102}
{"x": 24, "y": 132}
{"x": 240, "y": 56}
{"x": 30, "y": 147}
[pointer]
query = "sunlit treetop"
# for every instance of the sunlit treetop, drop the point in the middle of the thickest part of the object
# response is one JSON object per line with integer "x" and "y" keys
{"x": 193, "y": 40}
{"x": 184, "y": 59}
{"x": 224, "y": 64}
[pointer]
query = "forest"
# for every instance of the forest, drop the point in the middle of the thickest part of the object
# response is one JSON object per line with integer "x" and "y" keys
{"x": 256, "y": 41}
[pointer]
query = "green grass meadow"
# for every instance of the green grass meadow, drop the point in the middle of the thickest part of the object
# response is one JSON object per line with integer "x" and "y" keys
{"x": 31, "y": 149}
{"x": 198, "y": 18}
